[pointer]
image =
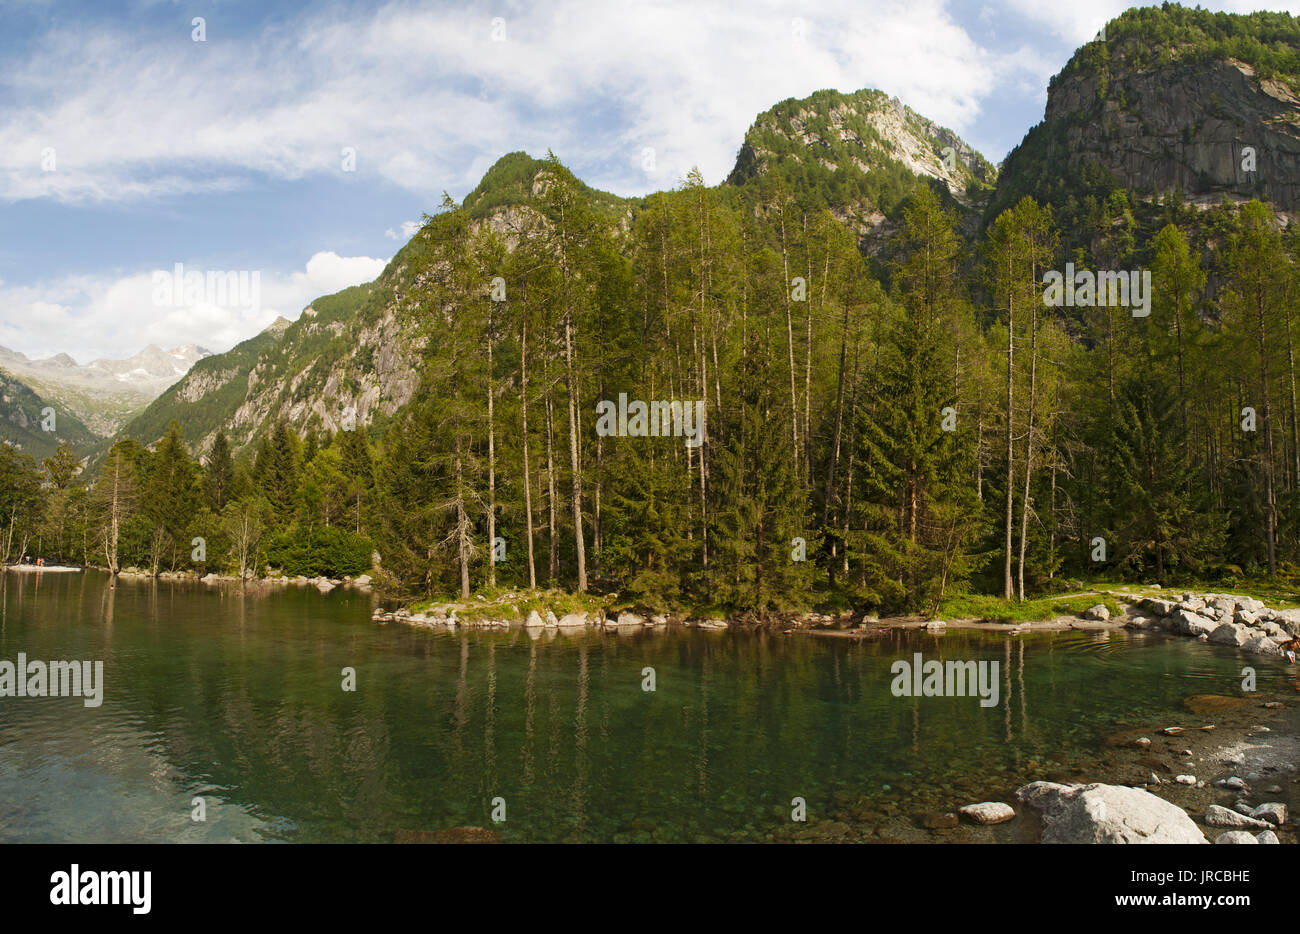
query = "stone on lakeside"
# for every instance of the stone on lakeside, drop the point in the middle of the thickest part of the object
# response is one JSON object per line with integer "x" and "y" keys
{"x": 1261, "y": 645}
{"x": 1273, "y": 812}
{"x": 1230, "y": 634}
{"x": 1219, "y": 816}
{"x": 989, "y": 812}
{"x": 1099, "y": 813}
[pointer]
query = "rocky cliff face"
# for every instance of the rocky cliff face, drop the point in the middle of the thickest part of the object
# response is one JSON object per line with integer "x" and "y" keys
{"x": 1212, "y": 128}
{"x": 1168, "y": 100}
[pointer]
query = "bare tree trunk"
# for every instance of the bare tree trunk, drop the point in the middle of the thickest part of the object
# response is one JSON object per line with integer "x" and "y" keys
{"x": 550, "y": 482}
{"x": 571, "y": 385}
{"x": 492, "y": 464}
{"x": 1029, "y": 447}
{"x": 1270, "y": 499}
{"x": 528, "y": 483}
{"x": 1007, "y": 591}
{"x": 574, "y": 464}
{"x": 1295, "y": 424}
{"x": 462, "y": 526}
{"x": 789, "y": 339}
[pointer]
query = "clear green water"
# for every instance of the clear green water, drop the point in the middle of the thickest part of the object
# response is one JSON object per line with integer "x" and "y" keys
{"x": 238, "y": 698}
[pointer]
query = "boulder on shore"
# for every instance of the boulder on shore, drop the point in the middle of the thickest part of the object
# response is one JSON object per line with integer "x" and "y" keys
{"x": 1230, "y": 634}
{"x": 1261, "y": 645}
{"x": 1272, "y": 812}
{"x": 1098, "y": 813}
{"x": 1235, "y": 836}
{"x": 989, "y": 812}
{"x": 1219, "y": 816}
{"x": 1188, "y": 623}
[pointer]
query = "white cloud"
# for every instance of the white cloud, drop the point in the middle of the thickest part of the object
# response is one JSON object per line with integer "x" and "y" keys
{"x": 408, "y": 230}
{"x": 428, "y": 100}
{"x": 122, "y": 314}
{"x": 1078, "y": 21}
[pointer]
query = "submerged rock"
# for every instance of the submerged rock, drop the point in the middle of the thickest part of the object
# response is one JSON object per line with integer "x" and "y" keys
{"x": 1100, "y": 813}
{"x": 939, "y": 821}
{"x": 1202, "y": 704}
{"x": 451, "y": 835}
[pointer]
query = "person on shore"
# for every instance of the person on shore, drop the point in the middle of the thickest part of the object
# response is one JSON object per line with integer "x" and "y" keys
{"x": 1291, "y": 650}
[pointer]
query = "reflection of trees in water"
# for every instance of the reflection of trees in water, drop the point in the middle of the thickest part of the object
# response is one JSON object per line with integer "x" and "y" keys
{"x": 242, "y": 694}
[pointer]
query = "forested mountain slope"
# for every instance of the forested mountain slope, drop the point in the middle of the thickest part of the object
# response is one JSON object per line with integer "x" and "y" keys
{"x": 729, "y": 397}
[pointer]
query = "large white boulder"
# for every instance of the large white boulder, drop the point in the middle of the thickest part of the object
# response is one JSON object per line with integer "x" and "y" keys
{"x": 1231, "y": 634}
{"x": 1219, "y": 816}
{"x": 1099, "y": 813}
{"x": 1189, "y": 623}
{"x": 1261, "y": 645}
{"x": 1288, "y": 620}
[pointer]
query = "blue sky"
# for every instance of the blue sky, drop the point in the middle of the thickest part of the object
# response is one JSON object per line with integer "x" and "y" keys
{"x": 129, "y": 147}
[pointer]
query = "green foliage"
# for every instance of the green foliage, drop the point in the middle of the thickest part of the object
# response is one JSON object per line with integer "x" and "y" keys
{"x": 324, "y": 551}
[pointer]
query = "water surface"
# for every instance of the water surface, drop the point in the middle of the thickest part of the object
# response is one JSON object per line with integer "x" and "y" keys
{"x": 236, "y": 697}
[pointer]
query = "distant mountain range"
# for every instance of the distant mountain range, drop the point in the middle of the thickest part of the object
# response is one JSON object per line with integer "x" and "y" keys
{"x": 91, "y": 401}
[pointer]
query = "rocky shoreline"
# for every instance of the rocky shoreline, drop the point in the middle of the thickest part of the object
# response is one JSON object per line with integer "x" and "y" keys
{"x": 504, "y": 614}
{"x": 466, "y": 616}
{"x": 323, "y": 584}
{"x": 1236, "y": 783}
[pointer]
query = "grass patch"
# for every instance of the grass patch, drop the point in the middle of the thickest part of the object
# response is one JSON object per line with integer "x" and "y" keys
{"x": 1276, "y": 594}
{"x": 996, "y": 609}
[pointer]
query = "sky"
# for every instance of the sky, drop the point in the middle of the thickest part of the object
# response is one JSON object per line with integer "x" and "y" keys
{"x": 144, "y": 143}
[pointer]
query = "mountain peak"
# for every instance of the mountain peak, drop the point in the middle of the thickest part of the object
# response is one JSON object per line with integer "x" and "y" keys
{"x": 847, "y": 137}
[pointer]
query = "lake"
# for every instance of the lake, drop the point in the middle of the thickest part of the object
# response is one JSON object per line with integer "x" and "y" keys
{"x": 236, "y": 697}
